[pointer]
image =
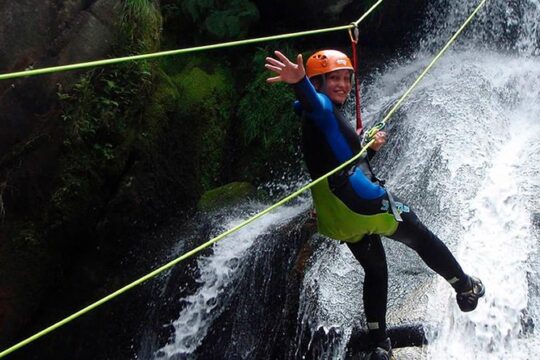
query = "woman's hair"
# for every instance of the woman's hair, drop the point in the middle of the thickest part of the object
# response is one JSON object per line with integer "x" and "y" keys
{"x": 317, "y": 81}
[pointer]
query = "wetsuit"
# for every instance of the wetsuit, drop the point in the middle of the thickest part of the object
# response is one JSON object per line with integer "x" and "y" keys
{"x": 352, "y": 207}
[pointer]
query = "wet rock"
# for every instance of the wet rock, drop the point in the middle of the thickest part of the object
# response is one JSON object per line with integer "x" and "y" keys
{"x": 226, "y": 195}
{"x": 35, "y": 34}
{"x": 401, "y": 336}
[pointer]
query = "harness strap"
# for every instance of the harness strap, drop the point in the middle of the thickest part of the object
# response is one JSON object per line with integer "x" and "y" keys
{"x": 381, "y": 182}
{"x": 395, "y": 211}
{"x": 353, "y": 34}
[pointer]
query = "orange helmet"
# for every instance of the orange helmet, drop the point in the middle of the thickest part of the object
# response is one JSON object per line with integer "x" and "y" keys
{"x": 326, "y": 61}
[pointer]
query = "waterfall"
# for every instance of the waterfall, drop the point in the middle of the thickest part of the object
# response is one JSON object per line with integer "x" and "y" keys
{"x": 499, "y": 241}
{"x": 220, "y": 277}
{"x": 464, "y": 152}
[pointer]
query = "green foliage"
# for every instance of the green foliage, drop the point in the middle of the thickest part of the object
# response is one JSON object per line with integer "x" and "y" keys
{"x": 101, "y": 118}
{"x": 97, "y": 107}
{"x": 266, "y": 116}
{"x": 222, "y": 19}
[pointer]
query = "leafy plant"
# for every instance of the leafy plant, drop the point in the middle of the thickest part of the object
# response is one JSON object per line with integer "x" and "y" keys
{"x": 101, "y": 116}
{"x": 265, "y": 111}
{"x": 142, "y": 25}
{"x": 269, "y": 129}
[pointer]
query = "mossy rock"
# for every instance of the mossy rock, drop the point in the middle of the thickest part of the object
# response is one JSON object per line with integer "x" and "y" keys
{"x": 225, "y": 195}
{"x": 162, "y": 102}
{"x": 206, "y": 108}
{"x": 198, "y": 85}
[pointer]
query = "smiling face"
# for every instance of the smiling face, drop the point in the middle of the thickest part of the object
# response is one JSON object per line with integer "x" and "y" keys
{"x": 337, "y": 86}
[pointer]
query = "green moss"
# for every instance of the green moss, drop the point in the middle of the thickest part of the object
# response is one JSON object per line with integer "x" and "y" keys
{"x": 226, "y": 195}
{"x": 163, "y": 101}
{"x": 198, "y": 86}
{"x": 206, "y": 104}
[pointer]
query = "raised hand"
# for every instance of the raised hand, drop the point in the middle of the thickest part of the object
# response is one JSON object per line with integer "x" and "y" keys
{"x": 286, "y": 70}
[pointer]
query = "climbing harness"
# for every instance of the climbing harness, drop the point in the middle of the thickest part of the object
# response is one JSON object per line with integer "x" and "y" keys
{"x": 249, "y": 220}
{"x": 370, "y": 134}
{"x": 382, "y": 182}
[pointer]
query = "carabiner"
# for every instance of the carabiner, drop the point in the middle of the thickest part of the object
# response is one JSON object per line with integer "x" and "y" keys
{"x": 354, "y": 39}
{"x": 370, "y": 134}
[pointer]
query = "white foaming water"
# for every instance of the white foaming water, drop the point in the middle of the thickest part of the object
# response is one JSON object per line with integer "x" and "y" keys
{"x": 499, "y": 238}
{"x": 330, "y": 297}
{"x": 217, "y": 272}
{"x": 507, "y": 25}
{"x": 497, "y": 201}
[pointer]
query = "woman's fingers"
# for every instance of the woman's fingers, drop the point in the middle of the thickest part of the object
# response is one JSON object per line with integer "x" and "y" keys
{"x": 274, "y": 79}
{"x": 288, "y": 71}
{"x": 300, "y": 62}
{"x": 283, "y": 58}
{"x": 273, "y": 68}
{"x": 274, "y": 62}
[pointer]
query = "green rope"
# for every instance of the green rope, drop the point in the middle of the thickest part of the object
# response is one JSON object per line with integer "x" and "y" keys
{"x": 236, "y": 228}
{"x": 55, "y": 69}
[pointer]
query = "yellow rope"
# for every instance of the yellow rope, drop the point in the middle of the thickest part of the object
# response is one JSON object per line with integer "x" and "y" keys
{"x": 54, "y": 69}
{"x": 246, "y": 222}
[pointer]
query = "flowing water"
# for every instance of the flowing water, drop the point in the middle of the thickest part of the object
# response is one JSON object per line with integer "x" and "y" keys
{"x": 464, "y": 151}
{"x": 499, "y": 238}
{"x": 218, "y": 273}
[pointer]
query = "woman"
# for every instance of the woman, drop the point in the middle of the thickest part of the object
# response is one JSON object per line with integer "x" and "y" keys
{"x": 351, "y": 205}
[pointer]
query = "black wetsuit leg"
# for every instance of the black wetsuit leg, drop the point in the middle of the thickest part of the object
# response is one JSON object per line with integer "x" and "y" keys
{"x": 431, "y": 249}
{"x": 370, "y": 254}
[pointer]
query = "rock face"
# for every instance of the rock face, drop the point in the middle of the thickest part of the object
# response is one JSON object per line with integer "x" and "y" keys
{"x": 53, "y": 32}
{"x": 36, "y": 34}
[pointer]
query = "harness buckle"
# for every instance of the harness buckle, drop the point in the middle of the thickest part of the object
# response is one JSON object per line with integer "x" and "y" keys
{"x": 393, "y": 207}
